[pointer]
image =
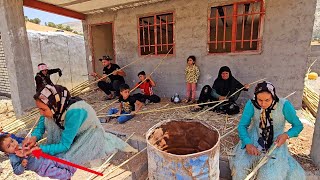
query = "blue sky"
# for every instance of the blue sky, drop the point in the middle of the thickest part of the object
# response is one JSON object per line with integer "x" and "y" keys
{"x": 46, "y": 17}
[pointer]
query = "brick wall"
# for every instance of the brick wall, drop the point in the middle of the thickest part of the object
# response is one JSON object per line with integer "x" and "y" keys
{"x": 4, "y": 78}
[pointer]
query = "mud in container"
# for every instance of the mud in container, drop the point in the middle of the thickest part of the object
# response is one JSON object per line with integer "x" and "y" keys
{"x": 183, "y": 149}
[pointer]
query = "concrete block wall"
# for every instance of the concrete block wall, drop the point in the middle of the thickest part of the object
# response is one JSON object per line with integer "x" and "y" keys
{"x": 4, "y": 77}
{"x": 316, "y": 27}
{"x": 314, "y": 55}
{"x": 57, "y": 51}
{"x": 287, "y": 33}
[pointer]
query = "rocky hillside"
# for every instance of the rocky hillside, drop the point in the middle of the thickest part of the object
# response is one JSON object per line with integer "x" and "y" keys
{"x": 76, "y": 25}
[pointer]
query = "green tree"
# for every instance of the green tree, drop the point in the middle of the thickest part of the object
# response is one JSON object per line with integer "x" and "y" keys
{"x": 26, "y": 18}
{"x": 36, "y": 20}
{"x": 67, "y": 28}
{"x": 59, "y": 26}
{"x": 51, "y": 24}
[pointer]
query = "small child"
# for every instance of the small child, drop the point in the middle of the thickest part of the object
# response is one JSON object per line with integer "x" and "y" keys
{"x": 146, "y": 89}
{"x": 127, "y": 105}
{"x": 43, "y": 167}
{"x": 192, "y": 73}
{"x": 19, "y": 139}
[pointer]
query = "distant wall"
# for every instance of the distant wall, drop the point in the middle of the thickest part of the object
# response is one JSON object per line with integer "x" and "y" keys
{"x": 62, "y": 51}
{"x": 316, "y": 27}
{"x": 4, "y": 77}
{"x": 314, "y": 55}
{"x": 57, "y": 50}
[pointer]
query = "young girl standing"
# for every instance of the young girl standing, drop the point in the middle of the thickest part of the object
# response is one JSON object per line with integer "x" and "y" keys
{"x": 192, "y": 73}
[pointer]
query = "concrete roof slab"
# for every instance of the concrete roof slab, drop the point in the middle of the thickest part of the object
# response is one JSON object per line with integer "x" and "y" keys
{"x": 98, "y": 6}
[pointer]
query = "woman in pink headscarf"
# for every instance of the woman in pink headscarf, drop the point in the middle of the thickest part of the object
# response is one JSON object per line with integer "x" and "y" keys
{"x": 43, "y": 76}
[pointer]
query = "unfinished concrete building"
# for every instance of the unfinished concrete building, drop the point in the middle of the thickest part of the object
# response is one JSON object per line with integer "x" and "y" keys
{"x": 252, "y": 37}
{"x": 255, "y": 38}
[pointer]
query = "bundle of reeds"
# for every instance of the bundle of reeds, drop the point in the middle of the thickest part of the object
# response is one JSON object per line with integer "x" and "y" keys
{"x": 26, "y": 120}
{"x": 260, "y": 163}
{"x": 104, "y": 165}
{"x": 310, "y": 99}
{"x": 22, "y": 122}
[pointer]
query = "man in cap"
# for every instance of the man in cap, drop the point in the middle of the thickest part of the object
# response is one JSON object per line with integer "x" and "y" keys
{"x": 43, "y": 76}
{"x": 113, "y": 81}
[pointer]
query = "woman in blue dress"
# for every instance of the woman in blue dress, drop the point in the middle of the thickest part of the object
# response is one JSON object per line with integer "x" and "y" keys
{"x": 262, "y": 125}
{"x": 73, "y": 130}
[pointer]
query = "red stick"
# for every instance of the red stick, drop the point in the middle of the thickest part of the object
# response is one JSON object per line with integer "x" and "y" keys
{"x": 38, "y": 153}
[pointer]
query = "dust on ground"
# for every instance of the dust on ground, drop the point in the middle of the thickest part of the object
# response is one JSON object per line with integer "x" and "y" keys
{"x": 299, "y": 147}
{"x": 140, "y": 124}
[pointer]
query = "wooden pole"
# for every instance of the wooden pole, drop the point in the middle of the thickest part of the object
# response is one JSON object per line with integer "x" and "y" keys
{"x": 200, "y": 113}
{"x": 140, "y": 82}
{"x": 261, "y": 162}
{"x": 81, "y": 88}
{"x": 120, "y": 165}
{"x": 165, "y": 109}
{"x": 102, "y": 167}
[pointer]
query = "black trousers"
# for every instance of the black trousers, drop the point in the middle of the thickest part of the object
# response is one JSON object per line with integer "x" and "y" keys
{"x": 142, "y": 98}
{"x": 229, "y": 107}
{"x": 205, "y": 96}
{"x": 108, "y": 87}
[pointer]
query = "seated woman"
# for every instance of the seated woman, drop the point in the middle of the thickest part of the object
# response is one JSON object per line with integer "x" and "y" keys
{"x": 261, "y": 126}
{"x": 73, "y": 130}
{"x": 224, "y": 86}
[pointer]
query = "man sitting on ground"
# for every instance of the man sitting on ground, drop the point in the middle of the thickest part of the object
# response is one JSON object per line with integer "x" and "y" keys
{"x": 146, "y": 89}
{"x": 113, "y": 81}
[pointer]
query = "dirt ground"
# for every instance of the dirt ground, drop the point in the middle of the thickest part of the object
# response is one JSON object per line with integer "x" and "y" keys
{"x": 299, "y": 147}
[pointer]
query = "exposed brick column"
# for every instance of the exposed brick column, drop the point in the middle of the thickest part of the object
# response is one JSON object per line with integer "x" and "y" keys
{"x": 4, "y": 77}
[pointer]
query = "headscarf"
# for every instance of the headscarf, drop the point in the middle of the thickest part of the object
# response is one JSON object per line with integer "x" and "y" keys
{"x": 228, "y": 86}
{"x": 58, "y": 99}
{"x": 42, "y": 67}
{"x": 205, "y": 93}
{"x": 266, "y": 132}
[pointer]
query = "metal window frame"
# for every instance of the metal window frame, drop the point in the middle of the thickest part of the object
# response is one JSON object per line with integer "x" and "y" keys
{"x": 155, "y": 25}
{"x": 235, "y": 15}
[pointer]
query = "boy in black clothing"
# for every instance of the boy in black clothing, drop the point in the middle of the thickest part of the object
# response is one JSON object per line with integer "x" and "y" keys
{"x": 43, "y": 76}
{"x": 113, "y": 81}
{"x": 128, "y": 105}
